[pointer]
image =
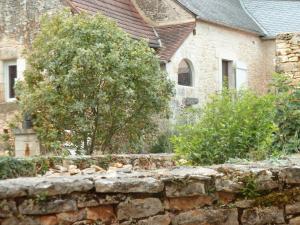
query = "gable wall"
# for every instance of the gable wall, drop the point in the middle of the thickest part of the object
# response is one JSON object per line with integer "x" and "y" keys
{"x": 163, "y": 12}
{"x": 208, "y": 47}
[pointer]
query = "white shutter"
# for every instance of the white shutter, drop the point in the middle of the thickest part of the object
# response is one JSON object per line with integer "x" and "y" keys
{"x": 241, "y": 76}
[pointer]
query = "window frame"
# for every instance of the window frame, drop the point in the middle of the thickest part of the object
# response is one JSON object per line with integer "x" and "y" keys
{"x": 191, "y": 73}
{"x": 7, "y": 93}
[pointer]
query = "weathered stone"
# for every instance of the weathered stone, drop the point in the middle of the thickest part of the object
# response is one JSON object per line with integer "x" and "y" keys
{"x": 225, "y": 197}
{"x": 156, "y": 220}
{"x": 293, "y": 209}
{"x": 188, "y": 203}
{"x": 102, "y": 213}
{"x": 88, "y": 171}
{"x": 243, "y": 204}
{"x": 139, "y": 208}
{"x": 182, "y": 189}
{"x": 7, "y": 208}
{"x": 227, "y": 185}
{"x": 295, "y": 221}
{"x": 32, "y": 207}
{"x": 50, "y": 186}
{"x": 71, "y": 217}
{"x": 290, "y": 175}
{"x": 20, "y": 221}
{"x": 48, "y": 220}
{"x": 207, "y": 217}
{"x": 129, "y": 185}
{"x": 98, "y": 168}
{"x": 265, "y": 181}
{"x": 261, "y": 216}
{"x": 85, "y": 222}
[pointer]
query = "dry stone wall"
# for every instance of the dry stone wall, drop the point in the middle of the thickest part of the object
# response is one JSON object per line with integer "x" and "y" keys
{"x": 288, "y": 54}
{"x": 248, "y": 194}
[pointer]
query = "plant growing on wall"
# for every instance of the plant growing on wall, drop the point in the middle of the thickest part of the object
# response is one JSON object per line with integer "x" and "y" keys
{"x": 88, "y": 77}
{"x": 232, "y": 125}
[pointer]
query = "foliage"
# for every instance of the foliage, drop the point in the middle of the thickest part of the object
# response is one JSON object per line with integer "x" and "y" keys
{"x": 91, "y": 85}
{"x": 13, "y": 168}
{"x": 250, "y": 189}
{"x": 287, "y": 113}
{"x": 232, "y": 125}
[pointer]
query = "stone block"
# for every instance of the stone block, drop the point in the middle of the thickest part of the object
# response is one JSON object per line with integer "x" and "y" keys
{"x": 260, "y": 216}
{"x": 156, "y": 220}
{"x": 203, "y": 217}
{"x": 71, "y": 217}
{"x": 7, "y": 208}
{"x": 295, "y": 221}
{"x": 20, "y": 221}
{"x": 48, "y": 220}
{"x": 104, "y": 214}
{"x": 139, "y": 208}
{"x": 34, "y": 207}
{"x": 225, "y": 197}
{"x": 290, "y": 175}
{"x": 293, "y": 209}
{"x": 188, "y": 203}
{"x": 129, "y": 185}
{"x": 185, "y": 189}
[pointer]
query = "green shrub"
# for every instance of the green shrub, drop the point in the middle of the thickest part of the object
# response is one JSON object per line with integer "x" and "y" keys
{"x": 232, "y": 125}
{"x": 287, "y": 91}
{"x": 13, "y": 168}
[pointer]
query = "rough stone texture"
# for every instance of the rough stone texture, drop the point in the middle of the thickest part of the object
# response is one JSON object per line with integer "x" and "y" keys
{"x": 34, "y": 207}
{"x": 203, "y": 217}
{"x": 293, "y": 209}
{"x": 189, "y": 188}
{"x": 164, "y": 12}
{"x": 129, "y": 185}
{"x": 157, "y": 220}
{"x": 295, "y": 221}
{"x": 261, "y": 216}
{"x": 143, "y": 197}
{"x": 139, "y": 208}
{"x": 187, "y": 203}
{"x": 288, "y": 54}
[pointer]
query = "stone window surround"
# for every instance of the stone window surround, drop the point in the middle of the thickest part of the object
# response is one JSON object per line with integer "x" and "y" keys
{"x": 192, "y": 71}
{"x": 20, "y": 63}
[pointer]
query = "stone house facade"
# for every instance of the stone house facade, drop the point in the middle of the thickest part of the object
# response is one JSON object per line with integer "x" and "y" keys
{"x": 203, "y": 44}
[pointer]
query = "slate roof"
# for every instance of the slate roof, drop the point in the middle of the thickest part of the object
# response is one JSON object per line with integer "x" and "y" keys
{"x": 172, "y": 37}
{"x": 275, "y": 16}
{"x": 124, "y": 13}
{"x": 224, "y": 12}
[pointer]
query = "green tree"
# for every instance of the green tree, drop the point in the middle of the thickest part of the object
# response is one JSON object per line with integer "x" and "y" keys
{"x": 232, "y": 125}
{"x": 88, "y": 77}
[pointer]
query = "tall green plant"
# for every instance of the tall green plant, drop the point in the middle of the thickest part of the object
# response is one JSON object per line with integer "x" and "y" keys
{"x": 287, "y": 118}
{"x": 86, "y": 76}
{"x": 232, "y": 125}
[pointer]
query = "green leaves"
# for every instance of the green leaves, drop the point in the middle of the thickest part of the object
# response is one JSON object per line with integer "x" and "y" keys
{"x": 232, "y": 125}
{"x": 88, "y": 77}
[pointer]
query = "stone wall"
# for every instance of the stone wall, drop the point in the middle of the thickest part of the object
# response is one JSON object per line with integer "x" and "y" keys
{"x": 288, "y": 54}
{"x": 163, "y": 12}
{"x": 249, "y": 194}
{"x": 205, "y": 51}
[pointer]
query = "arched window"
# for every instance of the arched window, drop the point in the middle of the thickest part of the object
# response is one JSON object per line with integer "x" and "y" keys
{"x": 184, "y": 73}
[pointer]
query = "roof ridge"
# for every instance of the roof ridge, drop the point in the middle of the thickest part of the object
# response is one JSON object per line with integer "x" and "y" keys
{"x": 244, "y": 7}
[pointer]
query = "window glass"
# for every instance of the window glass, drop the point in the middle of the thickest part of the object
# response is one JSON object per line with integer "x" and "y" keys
{"x": 184, "y": 74}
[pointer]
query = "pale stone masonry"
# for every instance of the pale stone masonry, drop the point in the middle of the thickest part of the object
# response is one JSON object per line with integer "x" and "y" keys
{"x": 288, "y": 54}
{"x": 216, "y": 195}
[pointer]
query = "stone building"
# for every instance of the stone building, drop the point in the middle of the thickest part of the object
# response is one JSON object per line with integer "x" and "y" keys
{"x": 203, "y": 44}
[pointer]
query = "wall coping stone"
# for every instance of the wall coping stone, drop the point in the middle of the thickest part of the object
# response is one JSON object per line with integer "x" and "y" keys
{"x": 227, "y": 177}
